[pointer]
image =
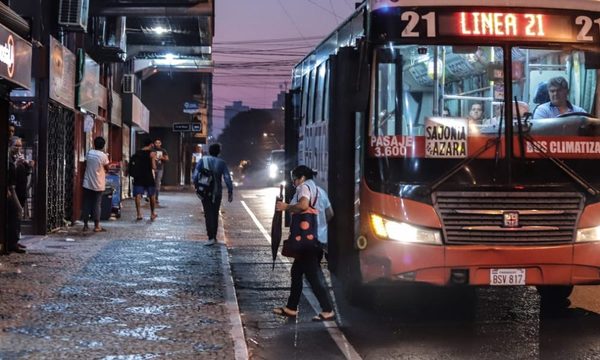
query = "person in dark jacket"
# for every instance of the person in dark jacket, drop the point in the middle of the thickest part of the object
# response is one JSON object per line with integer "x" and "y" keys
{"x": 212, "y": 204}
{"x": 143, "y": 182}
{"x": 14, "y": 208}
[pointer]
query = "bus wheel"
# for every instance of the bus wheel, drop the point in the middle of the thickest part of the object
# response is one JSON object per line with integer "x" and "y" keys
{"x": 555, "y": 295}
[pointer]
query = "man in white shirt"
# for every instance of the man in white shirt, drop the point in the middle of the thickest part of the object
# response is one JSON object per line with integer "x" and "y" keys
{"x": 94, "y": 183}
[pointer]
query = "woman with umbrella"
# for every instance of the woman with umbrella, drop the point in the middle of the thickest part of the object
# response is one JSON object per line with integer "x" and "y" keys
{"x": 306, "y": 261}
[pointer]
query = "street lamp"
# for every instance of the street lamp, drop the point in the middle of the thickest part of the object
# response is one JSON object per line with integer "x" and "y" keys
{"x": 272, "y": 136}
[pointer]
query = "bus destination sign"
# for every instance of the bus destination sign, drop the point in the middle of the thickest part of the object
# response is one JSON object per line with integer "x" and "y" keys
{"x": 520, "y": 26}
{"x": 515, "y": 26}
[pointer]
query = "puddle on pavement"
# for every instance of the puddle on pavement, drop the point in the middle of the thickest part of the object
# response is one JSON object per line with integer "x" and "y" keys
{"x": 60, "y": 308}
{"x": 169, "y": 258}
{"x": 149, "y": 310}
{"x": 144, "y": 333}
{"x": 74, "y": 290}
{"x": 170, "y": 250}
{"x": 207, "y": 347}
{"x": 156, "y": 292}
{"x": 165, "y": 279}
{"x": 91, "y": 344}
{"x": 130, "y": 357}
{"x": 167, "y": 268}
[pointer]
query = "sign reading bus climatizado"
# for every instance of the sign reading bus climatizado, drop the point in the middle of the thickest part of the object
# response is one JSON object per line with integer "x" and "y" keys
{"x": 571, "y": 147}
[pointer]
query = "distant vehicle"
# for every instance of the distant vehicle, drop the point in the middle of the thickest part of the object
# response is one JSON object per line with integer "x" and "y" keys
{"x": 276, "y": 166}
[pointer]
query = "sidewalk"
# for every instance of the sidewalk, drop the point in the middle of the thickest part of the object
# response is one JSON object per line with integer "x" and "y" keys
{"x": 140, "y": 290}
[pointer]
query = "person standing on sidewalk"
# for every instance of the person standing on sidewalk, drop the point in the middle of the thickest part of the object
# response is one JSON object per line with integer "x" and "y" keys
{"x": 94, "y": 183}
{"x": 143, "y": 181}
{"x": 161, "y": 157}
{"x": 14, "y": 208}
{"x": 212, "y": 204}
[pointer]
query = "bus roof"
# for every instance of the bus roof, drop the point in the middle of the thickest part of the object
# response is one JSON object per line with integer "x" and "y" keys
{"x": 590, "y": 5}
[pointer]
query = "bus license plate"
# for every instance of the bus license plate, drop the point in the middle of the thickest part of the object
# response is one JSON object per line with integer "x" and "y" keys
{"x": 507, "y": 277}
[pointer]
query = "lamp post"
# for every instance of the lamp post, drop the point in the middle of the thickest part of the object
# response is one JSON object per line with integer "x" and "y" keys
{"x": 272, "y": 136}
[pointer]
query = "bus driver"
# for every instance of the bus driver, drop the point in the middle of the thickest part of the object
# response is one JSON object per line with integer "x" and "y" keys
{"x": 558, "y": 88}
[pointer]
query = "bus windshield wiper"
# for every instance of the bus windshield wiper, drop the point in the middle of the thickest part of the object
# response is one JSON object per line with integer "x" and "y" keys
{"x": 464, "y": 162}
{"x": 559, "y": 163}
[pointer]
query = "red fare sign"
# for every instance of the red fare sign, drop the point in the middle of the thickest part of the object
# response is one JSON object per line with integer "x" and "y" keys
{"x": 501, "y": 24}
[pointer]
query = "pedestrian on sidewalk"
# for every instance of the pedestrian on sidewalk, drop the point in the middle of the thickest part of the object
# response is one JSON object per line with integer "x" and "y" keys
{"x": 161, "y": 158}
{"x": 307, "y": 263}
{"x": 14, "y": 208}
{"x": 94, "y": 183}
{"x": 212, "y": 204}
{"x": 143, "y": 181}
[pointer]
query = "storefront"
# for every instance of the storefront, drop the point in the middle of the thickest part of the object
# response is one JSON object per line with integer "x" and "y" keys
{"x": 15, "y": 73}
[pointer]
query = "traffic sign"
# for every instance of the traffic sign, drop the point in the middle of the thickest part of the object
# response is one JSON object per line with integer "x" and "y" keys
{"x": 182, "y": 127}
{"x": 196, "y": 127}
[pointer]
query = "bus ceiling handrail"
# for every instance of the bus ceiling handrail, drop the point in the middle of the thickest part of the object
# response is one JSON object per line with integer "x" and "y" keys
{"x": 462, "y": 97}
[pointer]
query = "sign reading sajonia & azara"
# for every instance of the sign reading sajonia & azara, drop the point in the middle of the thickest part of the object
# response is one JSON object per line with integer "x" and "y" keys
{"x": 446, "y": 138}
{"x": 15, "y": 58}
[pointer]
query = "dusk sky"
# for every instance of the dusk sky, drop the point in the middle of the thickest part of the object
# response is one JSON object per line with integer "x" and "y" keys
{"x": 257, "y": 43}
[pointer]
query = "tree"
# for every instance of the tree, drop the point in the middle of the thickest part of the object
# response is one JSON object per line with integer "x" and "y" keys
{"x": 244, "y": 138}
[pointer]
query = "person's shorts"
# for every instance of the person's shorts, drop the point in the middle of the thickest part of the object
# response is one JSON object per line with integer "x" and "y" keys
{"x": 141, "y": 190}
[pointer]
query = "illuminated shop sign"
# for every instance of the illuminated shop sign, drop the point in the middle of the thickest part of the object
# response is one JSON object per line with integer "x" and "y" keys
{"x": 7, "y": 55}
{"x": 15, "y": 59}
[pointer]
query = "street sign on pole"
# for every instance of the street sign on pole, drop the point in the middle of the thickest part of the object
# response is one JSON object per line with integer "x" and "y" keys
{"x": 183, "y": 127}
{"x": 191, "y": 107}
{"x": 196, "y": 127}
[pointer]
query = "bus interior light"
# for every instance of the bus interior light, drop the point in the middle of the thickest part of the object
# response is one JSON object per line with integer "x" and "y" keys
{"x": 588, "y": 234}
{"x": 403, "y": 232}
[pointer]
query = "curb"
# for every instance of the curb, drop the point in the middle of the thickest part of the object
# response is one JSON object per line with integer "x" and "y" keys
{"x": 231, "y": 303}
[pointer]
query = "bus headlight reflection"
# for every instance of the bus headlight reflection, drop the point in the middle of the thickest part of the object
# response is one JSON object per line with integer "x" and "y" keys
{"x": 589, "y": 234}
{"x": 403, "y": 232}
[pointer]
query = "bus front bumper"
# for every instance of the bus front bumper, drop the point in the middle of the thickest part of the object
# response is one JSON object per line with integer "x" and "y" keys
{"x": 570, "y": 264}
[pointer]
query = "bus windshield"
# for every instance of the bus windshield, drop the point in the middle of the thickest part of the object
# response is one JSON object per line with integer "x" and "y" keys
{"x": 435, "y": 105}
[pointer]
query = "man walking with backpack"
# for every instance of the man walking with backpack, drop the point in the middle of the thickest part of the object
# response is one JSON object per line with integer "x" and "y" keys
{"x": 207, "y": 178}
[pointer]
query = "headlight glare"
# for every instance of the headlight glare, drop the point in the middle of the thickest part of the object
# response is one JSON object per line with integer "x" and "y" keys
{"x": 588, "y": 234}
{"x": 403, "y": 232}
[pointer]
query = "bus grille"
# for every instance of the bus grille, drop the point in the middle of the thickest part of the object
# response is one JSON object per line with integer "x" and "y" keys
{"x": 489, "y": 217}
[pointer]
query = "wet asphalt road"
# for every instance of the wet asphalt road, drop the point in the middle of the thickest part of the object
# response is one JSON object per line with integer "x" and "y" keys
{"x": 482, "y": 323}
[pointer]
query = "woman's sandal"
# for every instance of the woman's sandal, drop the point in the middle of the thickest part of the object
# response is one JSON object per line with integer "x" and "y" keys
{"x": 282, "y": 311}
{"x": 321, "y": 317}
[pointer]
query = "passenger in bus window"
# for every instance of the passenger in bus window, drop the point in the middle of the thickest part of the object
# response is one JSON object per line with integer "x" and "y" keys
{"x": 476, "y": 113}
{"x": 558, "y": 89}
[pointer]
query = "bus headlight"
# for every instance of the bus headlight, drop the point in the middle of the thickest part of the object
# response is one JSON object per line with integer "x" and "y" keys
{"x": 588, "y": 234}
{"x": 403, "y": 232}
{"x": 273, "y": 170}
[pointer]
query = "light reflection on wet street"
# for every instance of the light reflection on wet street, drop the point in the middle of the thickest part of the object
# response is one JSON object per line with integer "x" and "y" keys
{"x": 409, "y": 323}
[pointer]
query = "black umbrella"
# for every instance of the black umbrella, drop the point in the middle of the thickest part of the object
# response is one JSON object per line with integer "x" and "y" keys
{"x": 276, "y": 227}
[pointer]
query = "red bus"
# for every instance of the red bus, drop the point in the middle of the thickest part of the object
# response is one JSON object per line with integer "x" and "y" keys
{"x": 459, "y": 142}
